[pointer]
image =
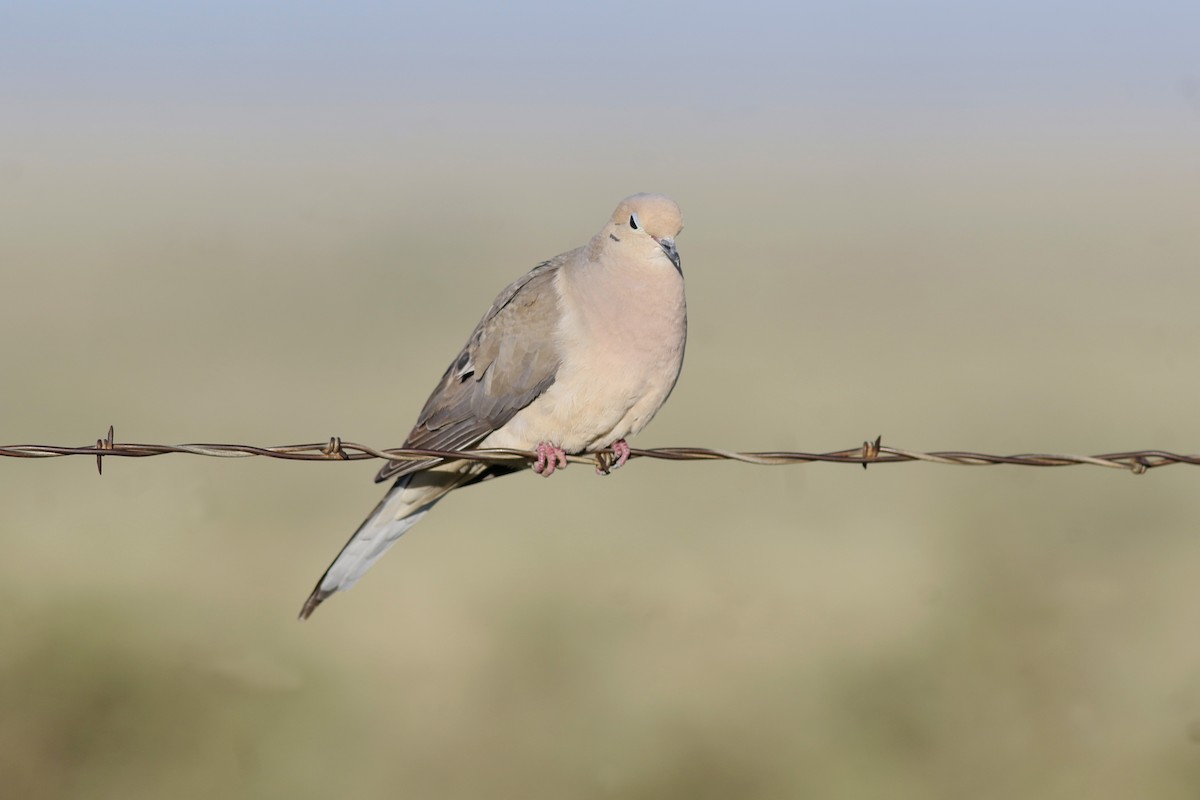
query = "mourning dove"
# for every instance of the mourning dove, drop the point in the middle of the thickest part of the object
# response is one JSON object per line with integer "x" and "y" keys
{"x": 573, "y": 357}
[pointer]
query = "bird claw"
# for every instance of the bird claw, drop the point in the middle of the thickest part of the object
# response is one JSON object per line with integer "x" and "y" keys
{"x": 607, "y": 462}
{"x": 549, "y": 459}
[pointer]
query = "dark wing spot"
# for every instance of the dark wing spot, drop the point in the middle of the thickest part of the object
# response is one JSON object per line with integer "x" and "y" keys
{"x": 462, "y": 366}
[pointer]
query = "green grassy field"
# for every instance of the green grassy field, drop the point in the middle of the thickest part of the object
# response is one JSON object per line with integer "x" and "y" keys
{"x": 675, "y": 630}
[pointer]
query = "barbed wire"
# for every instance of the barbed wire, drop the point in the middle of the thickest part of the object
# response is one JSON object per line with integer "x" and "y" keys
{"x": 872, "y": 452}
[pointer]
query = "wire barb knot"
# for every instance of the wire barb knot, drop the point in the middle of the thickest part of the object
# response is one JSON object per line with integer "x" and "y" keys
{"x": 334, "y": 449}
{"x": 103, "y": 444}
{"x": 870, "y": 450}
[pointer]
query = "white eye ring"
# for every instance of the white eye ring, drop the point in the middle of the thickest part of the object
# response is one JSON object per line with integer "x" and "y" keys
{"x": 634, "y": 222}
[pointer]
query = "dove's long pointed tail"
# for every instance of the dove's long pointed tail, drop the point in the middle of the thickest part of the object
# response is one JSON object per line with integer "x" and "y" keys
{"x": 406, "y": 502}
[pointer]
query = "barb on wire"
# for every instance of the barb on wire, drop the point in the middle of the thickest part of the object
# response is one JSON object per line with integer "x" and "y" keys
{"x": 870, "y": 452}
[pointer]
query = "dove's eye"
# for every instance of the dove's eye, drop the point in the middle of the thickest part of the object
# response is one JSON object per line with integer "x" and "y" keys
{"x": 633, "y": 221}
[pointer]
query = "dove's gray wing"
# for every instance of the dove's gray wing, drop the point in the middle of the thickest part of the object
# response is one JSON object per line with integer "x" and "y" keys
{"x": 510, "y": 359}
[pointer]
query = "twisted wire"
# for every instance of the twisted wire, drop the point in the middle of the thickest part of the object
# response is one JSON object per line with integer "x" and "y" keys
{"x": 335, "y": 449}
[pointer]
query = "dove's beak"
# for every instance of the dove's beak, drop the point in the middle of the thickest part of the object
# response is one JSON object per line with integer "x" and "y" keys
{"x": 668, "y": 246}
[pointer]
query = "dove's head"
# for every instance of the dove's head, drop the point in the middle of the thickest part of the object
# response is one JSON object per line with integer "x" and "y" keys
{"x": 650, "y": 221}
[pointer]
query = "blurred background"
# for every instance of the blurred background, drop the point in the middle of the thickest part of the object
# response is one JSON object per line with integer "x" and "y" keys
{"x": 961, "y": 226}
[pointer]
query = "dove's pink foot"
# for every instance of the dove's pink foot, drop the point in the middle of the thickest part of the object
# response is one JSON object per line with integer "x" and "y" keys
{"x": 620, "y": 454}
{"x": 549, "y": 459}
{"x": 621, "y": 450}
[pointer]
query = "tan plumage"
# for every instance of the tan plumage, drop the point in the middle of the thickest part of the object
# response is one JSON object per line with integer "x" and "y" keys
{"x": 579, "y": 353}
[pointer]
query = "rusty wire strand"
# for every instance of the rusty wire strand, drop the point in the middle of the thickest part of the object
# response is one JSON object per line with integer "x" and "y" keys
{"x": 871, "y": 452}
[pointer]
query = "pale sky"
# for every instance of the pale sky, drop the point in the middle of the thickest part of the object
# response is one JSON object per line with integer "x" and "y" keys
{"x": 698, "y": 55}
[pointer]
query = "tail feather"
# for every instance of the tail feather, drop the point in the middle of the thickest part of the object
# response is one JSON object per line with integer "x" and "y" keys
{"x": 403, "y": 506}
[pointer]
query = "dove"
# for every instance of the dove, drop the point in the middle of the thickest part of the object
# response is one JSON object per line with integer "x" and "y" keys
{"x": 573, "y": 357}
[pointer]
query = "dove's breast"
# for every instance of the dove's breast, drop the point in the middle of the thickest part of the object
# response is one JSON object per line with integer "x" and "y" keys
{"x": 621, "y": 339}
